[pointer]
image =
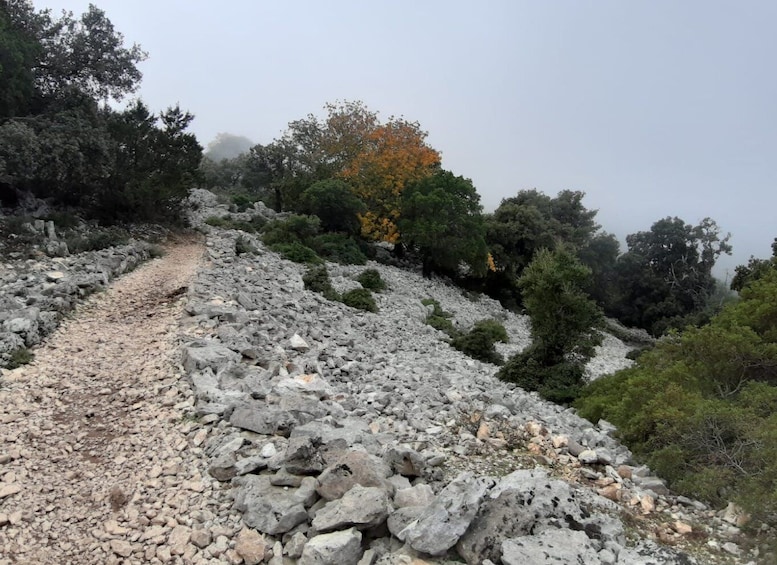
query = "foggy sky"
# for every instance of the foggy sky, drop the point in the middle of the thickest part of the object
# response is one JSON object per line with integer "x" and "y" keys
{"x": 653, "y": 108}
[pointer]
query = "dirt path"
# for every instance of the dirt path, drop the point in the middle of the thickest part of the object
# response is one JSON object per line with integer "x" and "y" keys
{"x": 98, "y": 461}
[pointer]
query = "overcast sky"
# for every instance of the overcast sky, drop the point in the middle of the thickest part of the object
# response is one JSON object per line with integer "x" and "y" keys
{"x": 653, "y": 108}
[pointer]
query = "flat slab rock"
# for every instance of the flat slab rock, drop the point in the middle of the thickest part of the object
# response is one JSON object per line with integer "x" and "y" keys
{"x": 557, "y": 547}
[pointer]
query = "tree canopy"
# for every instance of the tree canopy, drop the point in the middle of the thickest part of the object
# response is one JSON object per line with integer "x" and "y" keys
{"x": 378, "y": 160}
{"x": 441, "y": 218}
{"x": 57, "y": 137}
{"x": 665, "y": 278}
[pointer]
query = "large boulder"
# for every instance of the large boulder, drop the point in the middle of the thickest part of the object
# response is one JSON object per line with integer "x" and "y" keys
{"x": 354, "y": 468}
{"x": 205, "y": 353}
{"x": 516, "y": 506}
{"x": 361, "y": 507}
{"x": 441, "y": 525}
{"x": 263, "y": 419}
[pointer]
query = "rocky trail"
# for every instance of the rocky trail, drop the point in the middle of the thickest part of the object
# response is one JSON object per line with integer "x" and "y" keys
{"x": 97, "y": 458}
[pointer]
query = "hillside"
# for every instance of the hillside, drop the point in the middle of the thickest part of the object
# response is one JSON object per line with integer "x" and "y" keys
{"x": 301, "y": 387}
{"x": 306, "y": 429}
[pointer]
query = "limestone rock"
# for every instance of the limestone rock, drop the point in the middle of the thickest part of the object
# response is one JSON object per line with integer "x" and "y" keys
{"x": 122, "y": 548}
{"x": 353, "y": 468}
{"x": 550, "y": 547}
{"x": 519, "y": 503}
{"x": 267, "y": 508}
{"x": 202, "y": 354}
{"x": 405, "y": 461}
{"x": 441, "y": 525}
{"x": 263, "y": 419}
{"x": 361, "y": 507}
{"x": 298, "y": 343}
{"x": 419, "y": 495}
{"x": 337, "y": 548}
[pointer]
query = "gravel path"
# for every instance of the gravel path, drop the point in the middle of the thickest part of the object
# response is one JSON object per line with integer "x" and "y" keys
{"x": 98, "y": 459}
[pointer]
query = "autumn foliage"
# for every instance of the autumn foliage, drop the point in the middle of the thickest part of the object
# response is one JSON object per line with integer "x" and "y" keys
{"x": 392, "y": 156}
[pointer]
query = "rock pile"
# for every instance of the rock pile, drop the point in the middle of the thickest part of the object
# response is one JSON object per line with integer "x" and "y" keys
{"x": 351, "y": 437}
{"x": 36, "y": 293}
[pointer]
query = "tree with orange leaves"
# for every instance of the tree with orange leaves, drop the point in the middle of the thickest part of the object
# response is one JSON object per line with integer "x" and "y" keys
{"x": 393, "y": 155}
{"x": 351, "y": 144}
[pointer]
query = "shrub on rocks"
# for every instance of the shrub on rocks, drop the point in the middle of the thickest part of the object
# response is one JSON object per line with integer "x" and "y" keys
{"x": 296, "y": 252}
{"x": 242, "y": 202}
{"x": 478, "y": 343}
{"x": 564, "y": 327}
{"x": 560, "y": 383}
{"x": 101, "y": 238}
{"x": 493, "y": 329}
{"x": 438, "y": 318}
{"x": 317, "y": 280}
{"x": 360, "y": 298}
{"x": 19, "y": 357}
{"x": 371, "y": 279}
{"x": 252, "y": 226}
{"x": 338, "y": 248}
{"x": 293, "y": 229}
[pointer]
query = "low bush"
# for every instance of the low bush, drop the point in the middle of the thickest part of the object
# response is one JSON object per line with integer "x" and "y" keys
{"x": 101, "y": 238}
{"x": 360, "y": 298}
{"x": 19, "y": 357}
{"x": 371, "y": 279}
{"x": 63, "y": 220}
{"x": 242, "y": 202}
{"x": 493, "y": 329}
{"x": 296, "y": 252}
{"x": 478, "y": 343}
{"x": 338, "y": 248}
{"x": 317, "y": 280}
{"x": 438, "y": 318}
{"x": 560, "y": 383}
{"x": 295, "y": 228}
{"x": 218, "y": 221}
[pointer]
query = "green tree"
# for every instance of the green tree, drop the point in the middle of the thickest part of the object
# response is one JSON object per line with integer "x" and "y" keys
{"x": 565, "y": 326}
{"x": 665, "y": 278}
{"x": 20, "y": 49}
{"x": 754, "y": 270}
{"x": 155, "y": 164}
{"x": 275, "y": 167}
{"x": 441, "y": 219}
{"x": 600, "y": 254}
{"x": 227, "y": 174}
{"x": 335, "y": 204}
{"x": 526, "y": 223}
{"x": 701, "y": 407}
